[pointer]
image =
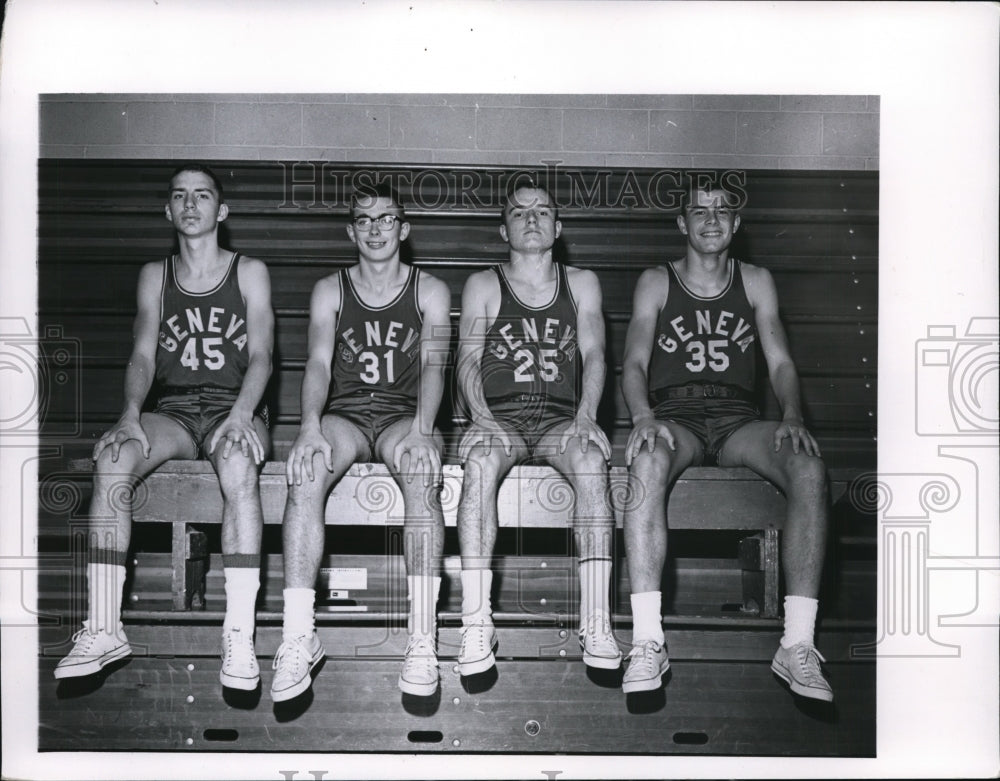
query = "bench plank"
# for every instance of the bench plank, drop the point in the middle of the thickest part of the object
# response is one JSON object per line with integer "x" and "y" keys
{"x": 531, "y": 497}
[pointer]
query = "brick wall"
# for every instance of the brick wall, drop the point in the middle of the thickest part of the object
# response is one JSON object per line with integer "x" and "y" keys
{"x": 739, "y": 131}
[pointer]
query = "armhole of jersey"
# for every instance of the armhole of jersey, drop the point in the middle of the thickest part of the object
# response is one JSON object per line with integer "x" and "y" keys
{"x": 671, "y": 276}
{"x": 340, "y": 306}
{"x": 416, "y": 293}
{"x": 562, "y": 277}
{"x": 501, "y": 279}
{"x": 168, "y": 268}
{"x": 738, "y": 269}
{"x": 234, "y": 266}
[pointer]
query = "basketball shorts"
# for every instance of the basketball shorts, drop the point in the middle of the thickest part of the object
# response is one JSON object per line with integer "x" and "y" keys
{"x": 711, "y": 412}
{"x": 200, "y": 410}
{"x": 530, "y": 416}
{"x": 372, "y": 412}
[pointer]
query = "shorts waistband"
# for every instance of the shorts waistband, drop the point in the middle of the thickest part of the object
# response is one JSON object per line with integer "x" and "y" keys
{"x": 701, "y": 390}
{"x": 180, "y": 390}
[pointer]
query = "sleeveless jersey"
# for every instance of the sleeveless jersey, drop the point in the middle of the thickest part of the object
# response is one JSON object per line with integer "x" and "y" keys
{"x": 377, "y": 348}
{"x": 203, "y": 336}
{"x": 705, "y": 339}
{"x": 532, "y": 350}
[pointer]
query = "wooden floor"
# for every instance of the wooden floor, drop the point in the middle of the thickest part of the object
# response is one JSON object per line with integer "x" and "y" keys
{"x": 720, "y": 697}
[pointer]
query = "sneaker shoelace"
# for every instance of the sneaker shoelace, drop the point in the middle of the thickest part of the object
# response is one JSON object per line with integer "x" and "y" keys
{"x": 597, "y": 630}
{"x": 646, "y": 655}
{"x": 420, "y": 656}
{"x": 475, "y": 638}
{"x": 243, "y": 648}
{"x": 296, "y": 653}
{"x": 809, "y": 659}
{"x": 83, "y": 641}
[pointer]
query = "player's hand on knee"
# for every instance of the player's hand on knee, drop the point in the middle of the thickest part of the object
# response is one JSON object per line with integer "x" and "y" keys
{"x": 644, "y": 434}
{"x": 238, "y": 430}
{"x": 307, "y": 444}
{"x": 417, "y": 454}
{"x": 485, "y": 435}
{"x": 794, "y": 430}
{"x": 124, "y": 430}
{"x": 585, "y": 430}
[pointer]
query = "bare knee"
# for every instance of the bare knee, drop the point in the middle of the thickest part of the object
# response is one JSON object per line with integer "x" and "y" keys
{"x": 481, "y": 473}
{"x": 806, "y": 474}
{"x": 652, "y": 471}
{"x": 237, "y": 476}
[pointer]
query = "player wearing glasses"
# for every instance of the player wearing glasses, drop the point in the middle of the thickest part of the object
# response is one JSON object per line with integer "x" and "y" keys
{"x": 374, "y": 378}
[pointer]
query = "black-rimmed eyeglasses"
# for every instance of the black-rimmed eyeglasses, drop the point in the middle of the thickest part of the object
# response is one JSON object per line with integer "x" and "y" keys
{"x": 385, "y": 222}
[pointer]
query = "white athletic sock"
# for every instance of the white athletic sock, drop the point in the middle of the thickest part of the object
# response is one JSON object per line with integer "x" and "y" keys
{"x": 423, "y": 593}
{"x": 242, "y": 584}
{"x": 476, "y": 586}
{"x": 647, "y": 624}
{"x": 105, "y": 585}
{"x": 800, "y": 620}
{"x": 595, "y": 578}
{"x": 298, "y": 618}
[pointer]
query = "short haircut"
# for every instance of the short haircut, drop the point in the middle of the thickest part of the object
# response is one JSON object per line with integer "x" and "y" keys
{"x": 371, "y": 192}
{"x": 525, "y": 183}
{"x": 705, "y": 182}
{"x": 201, "y": 169}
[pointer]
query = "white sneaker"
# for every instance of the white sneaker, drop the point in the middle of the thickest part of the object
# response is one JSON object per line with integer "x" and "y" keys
{"x": 798, "y": 666}
{"x": 479, "y": 641}
{"x": 293, "y": 665}
{"x": 648, "y": 664}
{"x": 420, "y": 673}
{"x": 239, "y": 661}
{"x": 92, "y": 651}
{"x": 600, "y": 649}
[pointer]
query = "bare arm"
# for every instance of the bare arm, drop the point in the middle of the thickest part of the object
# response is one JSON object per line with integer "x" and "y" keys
{"x": 586, "y": 291}
{"x": 780, "y": 368}
{"x": 238, "y": 428}
{"x": 324, "y": 308}
{"x": 649, "y": 298}
{"x": 435, "y": 309}
{"x": 141, "y": 367}
{"x": 472, "y": 327}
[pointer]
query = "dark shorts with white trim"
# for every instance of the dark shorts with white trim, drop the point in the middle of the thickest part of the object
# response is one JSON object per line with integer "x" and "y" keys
{"x": 200, "y": 409}
{"x": 711, "y": 412}
{"x": 372, "y": 412}
{"x": 531, "y": 416}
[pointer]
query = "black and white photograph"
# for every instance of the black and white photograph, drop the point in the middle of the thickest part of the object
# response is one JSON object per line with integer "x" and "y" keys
{"x": 373, "y": 420}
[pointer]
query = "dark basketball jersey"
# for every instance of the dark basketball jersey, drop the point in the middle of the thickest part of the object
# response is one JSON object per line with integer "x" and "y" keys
{"x": 377, "y": 348}
{"x": 203, "y": 336}
{"x": 705, "y": 339}
{"x": 532, "y": 350}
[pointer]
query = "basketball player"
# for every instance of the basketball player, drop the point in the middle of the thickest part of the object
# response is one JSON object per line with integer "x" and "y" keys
{"x": 689, "y": 382}
{"x": 205, "y": 331}
{"x": 372, "y": 387}
{"x": 531, "y": 370}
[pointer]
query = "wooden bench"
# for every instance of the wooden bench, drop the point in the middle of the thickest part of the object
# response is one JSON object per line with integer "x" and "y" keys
{"x": 186, "y": 493}
{"x": 817, "y": 232}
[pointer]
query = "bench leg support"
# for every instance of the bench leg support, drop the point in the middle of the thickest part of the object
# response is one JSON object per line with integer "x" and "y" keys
{"x": 189, "y": 561}
{"x": 761, "y": 572}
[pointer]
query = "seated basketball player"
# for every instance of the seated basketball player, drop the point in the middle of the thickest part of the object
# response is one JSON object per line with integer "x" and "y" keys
{"x": 371, "y": 391}
{"x": 531, "y": 370}
{"x": 688, "y": 379}
{"x": 204, "y": 332}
